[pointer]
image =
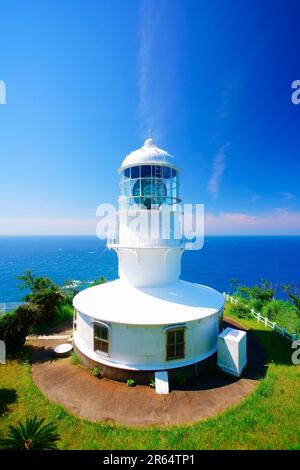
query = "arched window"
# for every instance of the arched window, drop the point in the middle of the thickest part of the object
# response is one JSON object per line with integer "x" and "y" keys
{"x": 101, "y": 338}
{"x": 175, "y": 343}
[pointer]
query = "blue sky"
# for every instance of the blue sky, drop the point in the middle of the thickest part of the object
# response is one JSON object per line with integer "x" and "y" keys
{"x": 85, "y": 81}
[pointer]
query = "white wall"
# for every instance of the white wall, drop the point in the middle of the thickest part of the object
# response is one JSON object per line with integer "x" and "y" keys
{"x": 150, "y": 267}
{"x": 144, "y": 347}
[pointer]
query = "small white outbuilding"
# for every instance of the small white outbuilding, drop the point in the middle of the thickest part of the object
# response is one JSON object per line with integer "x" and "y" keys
{"x": 232, "y": 351}
{"x": 149, "y": 319}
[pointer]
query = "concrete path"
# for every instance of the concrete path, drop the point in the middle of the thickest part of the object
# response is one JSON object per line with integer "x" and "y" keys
{"x": 101, "y": 399}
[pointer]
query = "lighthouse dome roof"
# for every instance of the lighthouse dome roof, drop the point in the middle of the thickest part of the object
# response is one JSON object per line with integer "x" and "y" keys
{"x": 148, "y": 154}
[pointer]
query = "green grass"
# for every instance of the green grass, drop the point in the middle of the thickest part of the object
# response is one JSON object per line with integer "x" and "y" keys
{"x": 64, "y": 313}
{"x": 267, "y": 419}
{"x": 75, "y": 359}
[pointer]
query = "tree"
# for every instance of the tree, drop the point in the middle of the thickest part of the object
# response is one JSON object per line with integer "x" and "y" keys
{"x": 32, "y": 435}
{"x": 14, "y": 327}
{"x": 44, "y": 293}
{"x": 293, "y": 295}
{"x": 13, "y": 337}
{"x": 257, "y": 295}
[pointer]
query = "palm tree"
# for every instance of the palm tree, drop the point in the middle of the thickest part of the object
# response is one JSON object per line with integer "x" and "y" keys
{"x": 33, "y": 435}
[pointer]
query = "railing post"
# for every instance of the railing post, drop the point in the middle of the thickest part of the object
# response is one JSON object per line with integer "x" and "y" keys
{"x": 274, "y": 326}
{"x": 283, "y": 331}
{"x": 266, "y": 321}
{"x": 258, "y": 317}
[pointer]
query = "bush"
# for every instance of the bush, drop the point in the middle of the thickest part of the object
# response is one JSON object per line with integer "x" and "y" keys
{"x": 31, "y": 435}
{"x": 131, "y": 383}
{"x": 294, "y": 296}
{"x": 99, "y": 281}
{"x": 283, "y": 313}
{"x": 76, "y": 361}
{"x": 12, "y": 334}
{"x": 46, "y": 295}
{"x": 256, "y": 296}
{"x": 240, "y": 309}
{"x": 14, "y": 327}
{"x": 152, "y": 383}
{"x": 63, "y": 313}
{"x": 28, "y": 314}
{"x": 96, "y": 372}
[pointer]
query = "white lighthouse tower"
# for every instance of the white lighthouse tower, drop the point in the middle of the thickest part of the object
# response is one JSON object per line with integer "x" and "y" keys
{"x": 149, "y": 319}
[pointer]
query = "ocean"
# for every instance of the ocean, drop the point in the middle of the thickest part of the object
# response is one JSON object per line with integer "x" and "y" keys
{"x": 247, "y": 258}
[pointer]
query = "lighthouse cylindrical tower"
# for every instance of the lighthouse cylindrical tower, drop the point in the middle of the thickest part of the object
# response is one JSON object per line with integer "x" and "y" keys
{"x": 149, "y": 241}
{"x": 148, "y": 319}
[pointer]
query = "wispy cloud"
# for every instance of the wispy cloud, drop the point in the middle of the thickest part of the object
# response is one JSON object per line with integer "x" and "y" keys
{"x": 254, "y": 196}
{"x": 148, "y": 20}
{"x": 277, "y": 222}
{"x": 219, "y": 165}
{"x": 48, "y": 226}
{"x": 285, "y": 195}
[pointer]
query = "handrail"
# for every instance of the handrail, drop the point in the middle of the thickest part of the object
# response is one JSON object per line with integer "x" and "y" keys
{"x": 265, "y": 320}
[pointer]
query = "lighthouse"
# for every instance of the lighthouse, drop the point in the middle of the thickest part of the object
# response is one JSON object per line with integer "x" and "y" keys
{"x": 149, "y": 319}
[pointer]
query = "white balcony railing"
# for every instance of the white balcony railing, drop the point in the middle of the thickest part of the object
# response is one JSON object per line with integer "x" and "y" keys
{"x": 133, "y": 240}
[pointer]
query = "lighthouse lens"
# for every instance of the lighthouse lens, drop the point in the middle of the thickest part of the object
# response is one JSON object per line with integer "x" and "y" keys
{"x": 149, "y": 192}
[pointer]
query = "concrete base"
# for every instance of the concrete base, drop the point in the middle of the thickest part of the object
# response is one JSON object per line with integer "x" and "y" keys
{"x": 144, "y": 377}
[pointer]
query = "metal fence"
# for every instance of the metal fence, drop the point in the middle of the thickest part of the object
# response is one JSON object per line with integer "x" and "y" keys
{"x": 265, "y": 320}
{"x": 8, "y": 306}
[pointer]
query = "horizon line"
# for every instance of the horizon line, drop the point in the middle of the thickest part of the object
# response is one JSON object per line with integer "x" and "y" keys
{"x": 95, "y": 236}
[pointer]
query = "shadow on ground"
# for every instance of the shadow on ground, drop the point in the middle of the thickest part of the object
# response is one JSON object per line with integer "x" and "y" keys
{"x": 7, "y": 397}
{"x": 42, "y": 354}
{"x": 214, "y": 378}
{"x": 277, "y": 349}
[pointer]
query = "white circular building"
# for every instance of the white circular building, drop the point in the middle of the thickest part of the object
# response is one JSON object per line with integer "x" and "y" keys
{"x": 149, "y": 319}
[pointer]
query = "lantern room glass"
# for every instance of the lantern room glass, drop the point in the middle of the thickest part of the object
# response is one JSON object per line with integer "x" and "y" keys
{"x": 149, "y": 187}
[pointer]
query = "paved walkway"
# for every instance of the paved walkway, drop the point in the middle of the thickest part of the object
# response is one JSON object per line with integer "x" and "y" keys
{"x": 101, "y": 399}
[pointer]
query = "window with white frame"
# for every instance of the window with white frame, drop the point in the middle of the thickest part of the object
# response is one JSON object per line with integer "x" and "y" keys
{"x": 175, "y": 343}
{"x": 101, "y": 338}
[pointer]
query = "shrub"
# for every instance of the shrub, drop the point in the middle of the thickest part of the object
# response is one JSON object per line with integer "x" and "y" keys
{"x": 131, "y": 383}
{"x": 283, "y": 313}
{"x": 27, "y": 314}
{"x": 43, "y": 293}
{"x": 240, "y": 309}
{"x": 152, "y": 383}
{"x": 257, "y": 296}
{"x": 75, "y": 360}
{"x": 294, "y": 296}
{"x": 32, "y": 435}
{"x": 14, "y": 336}
{"x": 14, "y": 327}
{"x": 63, "y": 313}
{"x": 96, "y": 372}
{"x": 99, "y": 281}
